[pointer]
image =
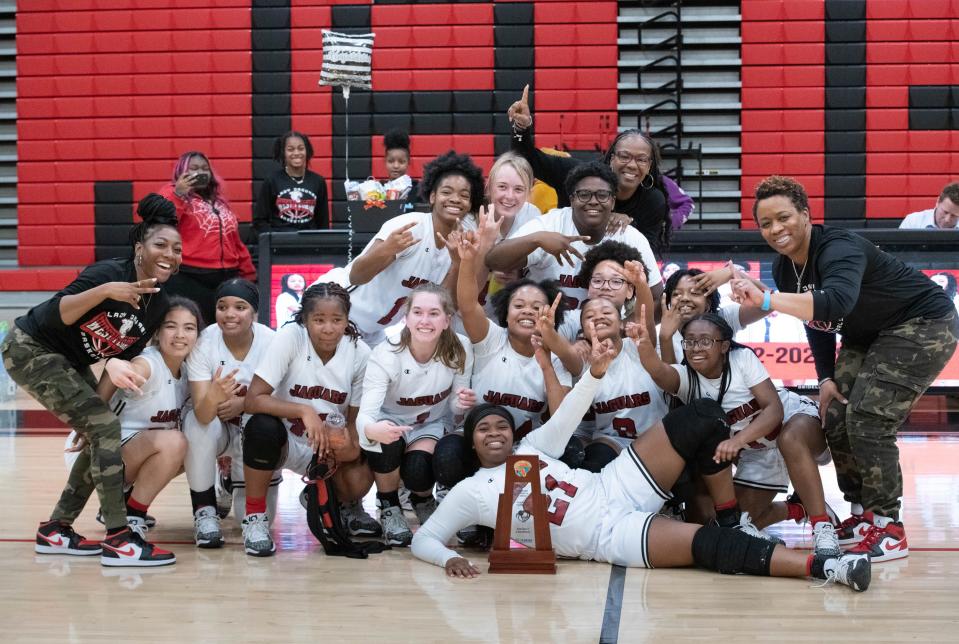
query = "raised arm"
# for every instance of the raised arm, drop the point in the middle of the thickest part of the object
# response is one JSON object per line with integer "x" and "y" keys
{"x": 548, "y": 168}
{"x": 73, "y": 307}
{"x": 555, "y": 390}
{"x": 551, "y": 438}
{"x": 208, "y": 395}
{"x": 475, "y": 321}
{"x": 382, "y": 253}
{"x": 662, "y": 374}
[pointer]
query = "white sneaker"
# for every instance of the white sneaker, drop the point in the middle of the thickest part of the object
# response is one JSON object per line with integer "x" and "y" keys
{"x": 256, "y": 535}
{"x": 395, "y": 528}
{"x": 206, "y": 528}
{"x": 850, "y": 570}
{"x": 825, "y": 541}
{"x": 746, "y": 525}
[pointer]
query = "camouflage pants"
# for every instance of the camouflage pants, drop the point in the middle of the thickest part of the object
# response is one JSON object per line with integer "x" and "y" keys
{"x": 882, "y": 383}
{"x": 70, "y": 395}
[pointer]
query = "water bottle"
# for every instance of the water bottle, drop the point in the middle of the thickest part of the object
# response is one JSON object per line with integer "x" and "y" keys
{"x": 336, "y": 429}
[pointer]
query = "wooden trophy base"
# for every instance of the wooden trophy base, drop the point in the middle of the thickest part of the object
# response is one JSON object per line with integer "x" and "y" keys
{"x": 522, "y": 562}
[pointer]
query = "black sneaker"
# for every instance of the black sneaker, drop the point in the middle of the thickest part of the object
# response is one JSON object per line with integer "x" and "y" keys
{"x": 55, "y": 538}
{"x": 129, "y": 548}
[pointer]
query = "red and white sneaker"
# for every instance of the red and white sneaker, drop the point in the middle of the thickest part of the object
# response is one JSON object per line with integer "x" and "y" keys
{"x": 129, "y": 548}
{"x": 55, "y": 538}
{"x": 883, "y": 543}
{"x": 854, "y": 529}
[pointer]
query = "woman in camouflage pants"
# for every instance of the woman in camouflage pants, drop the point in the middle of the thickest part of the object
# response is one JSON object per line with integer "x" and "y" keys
{"x": 898, "y": 328}
{"x": 110, "y": 311}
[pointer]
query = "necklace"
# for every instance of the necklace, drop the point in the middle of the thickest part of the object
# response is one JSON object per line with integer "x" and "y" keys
{"x": 295, "y": 180}
{"x": 799, "y": 275}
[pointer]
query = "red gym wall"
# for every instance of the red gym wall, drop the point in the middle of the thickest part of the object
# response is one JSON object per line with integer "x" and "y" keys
{"x": 857, "y": 99}
{"x": 110, "y": 92}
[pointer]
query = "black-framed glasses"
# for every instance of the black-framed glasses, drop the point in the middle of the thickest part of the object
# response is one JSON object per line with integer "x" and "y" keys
{"x": 615, "y": 283}
{"x": 585, "y": 196}
{"x": 701, "y": 343}
{"x": 625, "y": 157}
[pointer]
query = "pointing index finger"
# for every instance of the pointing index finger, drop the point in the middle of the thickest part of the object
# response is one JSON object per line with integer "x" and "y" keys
{"x": 525, "y": 99}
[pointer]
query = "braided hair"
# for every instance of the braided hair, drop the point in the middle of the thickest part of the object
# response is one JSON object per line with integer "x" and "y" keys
{"x": 155, "y": 211}
{"x": 726, "y": 332}
{"x": 326, "y": 291}
{"x": 279, "y": 146}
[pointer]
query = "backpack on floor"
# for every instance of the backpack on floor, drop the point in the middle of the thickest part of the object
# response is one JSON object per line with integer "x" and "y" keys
{"x": 323, "y": 515}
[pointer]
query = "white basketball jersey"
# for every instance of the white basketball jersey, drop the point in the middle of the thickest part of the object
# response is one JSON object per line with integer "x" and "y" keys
{"x": 544, "y": 266}
{"x": 160, "y": 405}
{"x": 501, "y": 376}
{"x": 398, "y": 388}
{"x": 211, "y": 353}
{"x": 379, "y": 303}
{"x": 627, "y": 402}
{"x": 297, "y": 374}
{"x": 741, "y": 407}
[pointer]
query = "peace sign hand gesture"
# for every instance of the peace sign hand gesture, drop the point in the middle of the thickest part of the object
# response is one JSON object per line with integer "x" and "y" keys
{"x": 132, "y": 292}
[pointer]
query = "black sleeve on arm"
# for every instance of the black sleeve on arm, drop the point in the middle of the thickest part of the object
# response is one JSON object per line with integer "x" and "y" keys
{"x": 549, "y": 169}
{"x": 823, "y": 347}
{"x": 840, "y": 267}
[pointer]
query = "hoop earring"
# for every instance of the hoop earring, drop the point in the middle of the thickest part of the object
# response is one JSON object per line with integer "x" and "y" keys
{"x": 652, "y": 182}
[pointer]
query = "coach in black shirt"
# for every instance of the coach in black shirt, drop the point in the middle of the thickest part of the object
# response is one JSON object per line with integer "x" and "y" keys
{"x": 899, "y": 330}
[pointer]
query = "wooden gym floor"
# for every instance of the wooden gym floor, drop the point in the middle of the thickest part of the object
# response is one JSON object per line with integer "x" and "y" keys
{"x": 302, "y": 595}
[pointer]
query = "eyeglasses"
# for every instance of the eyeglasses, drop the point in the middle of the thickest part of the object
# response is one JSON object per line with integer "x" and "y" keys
{"x": 584, "y": 196}
{"x": 615, "y": 283}
{"x": 701, "y": 343}
{"x": 625, "y": 157}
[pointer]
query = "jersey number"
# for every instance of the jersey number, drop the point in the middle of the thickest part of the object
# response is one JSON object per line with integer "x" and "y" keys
{"x": 393, "y": 311}
{"x": 625, "y": 427}
{"x": 558, "y": 507}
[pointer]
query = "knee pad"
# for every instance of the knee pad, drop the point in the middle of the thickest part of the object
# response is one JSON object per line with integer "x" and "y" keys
{"x": 389, "y": 459}
{"x": 694, "y": 430}
{"x": 417, "y": 471}
{"x": 264, "y": 438}
{"x": 731, "y": 552}
{"x": 574, "y": 453}
{"x": 449, "y": 466}
{"x": 598, "y": 456}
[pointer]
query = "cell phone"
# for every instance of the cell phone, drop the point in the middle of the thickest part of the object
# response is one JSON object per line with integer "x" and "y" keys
{"x": 200, "y": 179}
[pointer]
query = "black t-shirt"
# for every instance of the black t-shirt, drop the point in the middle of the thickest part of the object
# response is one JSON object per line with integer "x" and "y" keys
{"x": 647, "y": 207}
{"x": 110, "y": 329}
{"x": 285, "y": 204}
{"x": 858, "y": 290}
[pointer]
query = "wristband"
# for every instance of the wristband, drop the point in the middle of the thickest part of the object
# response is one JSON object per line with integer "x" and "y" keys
{"x": 767, "y": 300}
{"x": 824, "y": 380}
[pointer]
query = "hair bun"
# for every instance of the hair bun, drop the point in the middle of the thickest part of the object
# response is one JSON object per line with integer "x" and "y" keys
{"x": 155, "y": 208}
{"x": 397, "y": 139}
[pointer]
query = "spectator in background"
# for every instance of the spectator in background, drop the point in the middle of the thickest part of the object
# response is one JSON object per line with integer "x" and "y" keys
{"x": 212, "y": 249}
{"x": 945, "y": 216}
{"x": 948, "y": 283}
{"x": 396, "y": 142}
{"x": 633, "y": 158}
{"x": 680, "y": 204}
{"x": 294, "y": 197}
